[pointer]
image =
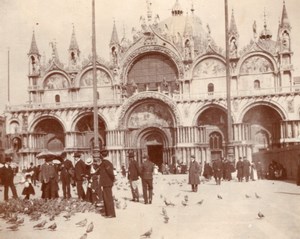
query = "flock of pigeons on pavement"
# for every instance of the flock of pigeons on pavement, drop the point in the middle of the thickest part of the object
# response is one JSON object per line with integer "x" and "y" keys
{"x": 42, "y": 213}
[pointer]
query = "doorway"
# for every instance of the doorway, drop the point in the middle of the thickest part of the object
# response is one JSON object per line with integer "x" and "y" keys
{"x": 155, "y": 153}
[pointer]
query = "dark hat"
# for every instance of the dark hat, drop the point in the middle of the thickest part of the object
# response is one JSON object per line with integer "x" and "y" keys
{"x": 8, "y": 159}
{"x": 77, "y": 155}
{"x": 193, "y": 156}
{"x": 130, "y": 154}
{"x": 104, "y": 153}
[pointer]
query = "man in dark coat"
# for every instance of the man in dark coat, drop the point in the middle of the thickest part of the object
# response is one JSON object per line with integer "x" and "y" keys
{"x": 147, "y": 179}
{"x": 107, "y": 178}
{"x": 194, "y": 174}
{"x": 246, "y": 168}
{"x": 133, "y": 176}
{"x": 218, "y": 170}
{"x": 239, "y": 169}
{"x": 80, "y": 172}
{"x": 66, "y": 174}
{"x": 7, "y": 178}
{"x": 49, "y": 179}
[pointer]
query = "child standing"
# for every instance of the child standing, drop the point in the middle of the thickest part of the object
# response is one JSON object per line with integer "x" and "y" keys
{"x": 28, "y": 188}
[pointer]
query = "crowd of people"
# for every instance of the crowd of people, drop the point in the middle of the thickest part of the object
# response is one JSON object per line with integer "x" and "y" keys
{"x": 100, "y": 177}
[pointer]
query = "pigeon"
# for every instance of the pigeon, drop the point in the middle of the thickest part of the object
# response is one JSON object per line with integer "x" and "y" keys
{"x": 257, "y": 196}
{"x": 147, "y": 234}
{"x": 84, "y": 236}
{"x": 52, "y": 227}
{"x": 40, "y": 225}
{"x": 52, "y": 217}
{"x": 247, "y": 196}
{"x": 20, "y": 221}
{"x": 260, "y": 215}
{"x": 81, "y": 223}
{"x": 118, "y": 204}
{"x": 219, "y": 196}
{"x": 200, "y": 202}
{"x": 164, "y": 211}
{"x": 168, "y": 203}
{"x": 67, "y": 216}
{"x": 90, "y": 227}
{"x": 186, "y": 198}
{"x": 177, "y": 195}
{"x": 166, "y": 218}
{"x": 184, "y": 203}
{"x": 14, "y": 227}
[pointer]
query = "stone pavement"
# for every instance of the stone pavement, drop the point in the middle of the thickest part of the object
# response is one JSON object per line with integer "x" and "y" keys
{"x": 233, "y": 216}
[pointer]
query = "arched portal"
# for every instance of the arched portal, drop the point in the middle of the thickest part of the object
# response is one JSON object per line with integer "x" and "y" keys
{"x": 214, "y": 119}
{"x": 50, "y": 135}
{"x": 264, "y": 122}
{"x": 150, "y": 130}
{"x": 153, "y": 141}
{"x": 85, "y": 131}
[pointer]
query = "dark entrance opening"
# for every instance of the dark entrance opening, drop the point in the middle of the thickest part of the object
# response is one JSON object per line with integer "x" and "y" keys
{"x": 155, "y": 153}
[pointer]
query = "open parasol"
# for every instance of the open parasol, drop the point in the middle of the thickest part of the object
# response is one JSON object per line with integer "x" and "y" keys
{"x": 50, "y": 155}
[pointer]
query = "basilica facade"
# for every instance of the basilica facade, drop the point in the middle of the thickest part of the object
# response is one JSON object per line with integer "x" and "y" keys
{"x": 162, "y": 93}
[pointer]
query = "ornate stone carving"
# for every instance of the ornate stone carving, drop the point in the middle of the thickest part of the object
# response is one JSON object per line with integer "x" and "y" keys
{"x": 210, "y": 67}
{"x": 56, "y": 81}
{"x": 148, "y": 95}
{"x": 290, "y": 106}
{"x": 102, "y": 78}
{"x": 256, "y": 64}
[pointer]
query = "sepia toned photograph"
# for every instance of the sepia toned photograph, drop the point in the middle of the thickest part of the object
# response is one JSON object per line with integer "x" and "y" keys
{"x": 170, "y": 119}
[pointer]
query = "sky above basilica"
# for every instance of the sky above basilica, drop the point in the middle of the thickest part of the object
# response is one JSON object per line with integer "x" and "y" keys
{"x": 53, "y": 21}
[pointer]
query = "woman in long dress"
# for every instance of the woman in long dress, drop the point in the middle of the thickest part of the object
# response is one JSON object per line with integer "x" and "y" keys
{"x": 253, "y": 171}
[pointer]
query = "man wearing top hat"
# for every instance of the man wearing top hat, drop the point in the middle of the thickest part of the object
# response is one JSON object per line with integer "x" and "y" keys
{"x": 7, "y": 178}
{"x": 107, "y": 178}
{"x": 80, "y": 172}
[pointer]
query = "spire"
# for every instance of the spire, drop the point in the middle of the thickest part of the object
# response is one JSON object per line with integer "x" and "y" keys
{"x": 149, "y": 11}
{"x": 33, "y": 47}
{"x": 284, "y": 18}
{"x": 233, "y": 28}
{"x": 73, "y": 43}
{"x": 192, "y": 8}
{"x": 114, "y": 36}
{"x": 265, "y": 33}
{"x": 177, "y": 9}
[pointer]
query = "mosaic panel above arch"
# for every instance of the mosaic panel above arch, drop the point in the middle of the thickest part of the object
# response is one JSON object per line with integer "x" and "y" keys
{"x": 150, "y": 113}
{"x": 56, "y": 81}
{"x": 103, "y": 78}
{"x": 209, "y": 68}
{"x": 256, "y": 64}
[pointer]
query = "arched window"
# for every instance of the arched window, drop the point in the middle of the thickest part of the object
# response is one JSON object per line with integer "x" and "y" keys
{"x": 256, "y": 84}
{"x": 215, "y": 141}
{"x": 210, "y": 88}
{"x": 57, "y": 98}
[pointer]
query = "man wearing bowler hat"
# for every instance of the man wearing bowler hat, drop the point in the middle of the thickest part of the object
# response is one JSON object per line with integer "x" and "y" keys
{"x": 133, "y": 176}
{"x": 7, "y": 177}
{"x": 107, "y": 178}
{"x": 80, "y": 172}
